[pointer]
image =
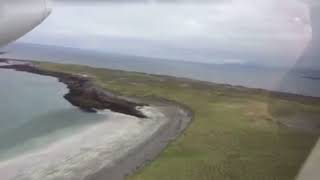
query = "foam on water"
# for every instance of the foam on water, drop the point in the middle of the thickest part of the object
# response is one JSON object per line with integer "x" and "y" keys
{"x": 35, "y": 114}
{"x": 84, "y": 153}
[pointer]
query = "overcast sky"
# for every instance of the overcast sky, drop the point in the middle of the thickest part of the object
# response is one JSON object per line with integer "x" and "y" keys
{"x": 270, "y": 32}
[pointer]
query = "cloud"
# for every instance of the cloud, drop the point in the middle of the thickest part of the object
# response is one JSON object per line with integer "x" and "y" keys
{"x": 280, "y": 28}
{"x": 147, "y": 1}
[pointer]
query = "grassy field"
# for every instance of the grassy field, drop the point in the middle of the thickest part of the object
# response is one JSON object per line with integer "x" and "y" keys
{"x": 236, "y": 133}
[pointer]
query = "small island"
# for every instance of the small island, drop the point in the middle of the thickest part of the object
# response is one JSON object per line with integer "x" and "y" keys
{"x": 215, "y": 131}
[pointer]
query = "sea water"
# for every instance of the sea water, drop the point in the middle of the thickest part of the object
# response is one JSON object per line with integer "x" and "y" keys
{"x": 33, "y": 113}
{"x": 42, "y": 136}
{"x": 289, "y": 79}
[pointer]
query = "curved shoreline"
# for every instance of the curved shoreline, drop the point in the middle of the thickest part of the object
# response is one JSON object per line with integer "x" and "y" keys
{"x": 177, "y": 117}
{"x": 147, "y": 150}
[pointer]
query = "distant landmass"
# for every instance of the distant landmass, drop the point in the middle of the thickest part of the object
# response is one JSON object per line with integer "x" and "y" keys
{"x": 312, "y": 78}
{"x": 254, "y": 76}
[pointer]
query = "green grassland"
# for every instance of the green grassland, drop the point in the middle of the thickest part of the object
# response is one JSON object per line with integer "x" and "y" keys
{"x": 236, "y": 133}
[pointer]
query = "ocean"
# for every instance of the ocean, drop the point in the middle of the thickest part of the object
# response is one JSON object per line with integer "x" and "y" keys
{"x": 293, "y": 80}
{"x": 35, "y": 114}
{"x": 42, "y": 136}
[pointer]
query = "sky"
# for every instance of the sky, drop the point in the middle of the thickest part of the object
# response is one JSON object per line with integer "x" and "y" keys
{"x": 264, "y": 32}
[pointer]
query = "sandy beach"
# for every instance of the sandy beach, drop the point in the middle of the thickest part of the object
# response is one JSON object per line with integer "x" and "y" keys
{"x": 149, "y": 111}
{"x": 111, "y": 149}
{"x": 133, "y": 133}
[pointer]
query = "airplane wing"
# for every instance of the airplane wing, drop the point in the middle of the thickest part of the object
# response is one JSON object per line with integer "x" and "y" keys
{"x": 18, "y": 17}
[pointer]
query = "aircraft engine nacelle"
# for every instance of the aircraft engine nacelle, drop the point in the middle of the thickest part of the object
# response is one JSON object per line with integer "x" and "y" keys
{"x": 17, "y": 17}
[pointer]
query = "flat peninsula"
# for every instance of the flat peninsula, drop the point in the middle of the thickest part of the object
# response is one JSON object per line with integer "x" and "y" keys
{"x": 214, "y": 131}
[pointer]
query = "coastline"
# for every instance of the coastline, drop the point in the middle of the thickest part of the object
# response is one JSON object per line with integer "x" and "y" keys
{"x": 175, "y": 119}
{"x": 107, "y": 150}
{"x": 218, "y": 108}
{"x": 83, "y": 93}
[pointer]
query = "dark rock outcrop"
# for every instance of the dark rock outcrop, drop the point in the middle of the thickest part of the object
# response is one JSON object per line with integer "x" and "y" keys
{"x": 84, "y": 94}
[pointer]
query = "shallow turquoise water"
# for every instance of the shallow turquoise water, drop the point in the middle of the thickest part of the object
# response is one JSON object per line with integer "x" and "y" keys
{"x": 33, "y": 113}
